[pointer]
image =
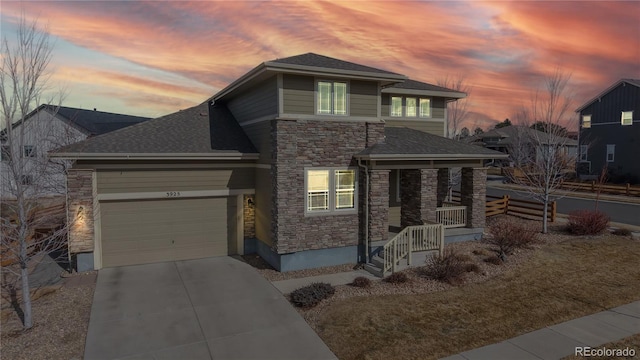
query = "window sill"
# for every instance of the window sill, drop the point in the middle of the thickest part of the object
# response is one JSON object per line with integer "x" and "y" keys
{"x": 330, "y": 213}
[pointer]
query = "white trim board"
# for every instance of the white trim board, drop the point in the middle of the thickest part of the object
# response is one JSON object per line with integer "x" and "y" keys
{"x": 177, "y": 194}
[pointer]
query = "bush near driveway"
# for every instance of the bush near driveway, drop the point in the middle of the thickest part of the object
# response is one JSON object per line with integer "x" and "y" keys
{"x": 311, "y": 295}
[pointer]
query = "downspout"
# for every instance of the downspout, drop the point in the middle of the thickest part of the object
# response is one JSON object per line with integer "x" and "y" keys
{"x": 366, "y": 211}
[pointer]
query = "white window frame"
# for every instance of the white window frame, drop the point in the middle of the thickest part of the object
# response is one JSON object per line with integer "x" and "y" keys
{"x": 586, "y": 121}
{"x": 391, "y": 108}
{"x": 428, "y": 100}
{"x": 629, "y": 120}
{"x": 414, "y": 113}
{"x": 583, "y": 152}
{"x": 611, "y": 150}
{"x": 333, "y": 191}
{"x": 332, "y": 98}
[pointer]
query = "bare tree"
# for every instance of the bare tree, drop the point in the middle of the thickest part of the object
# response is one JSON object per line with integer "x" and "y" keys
{"x": 542, "y": 158}
{"x": 27, "y": 171}
{"x": 456, "y": 110}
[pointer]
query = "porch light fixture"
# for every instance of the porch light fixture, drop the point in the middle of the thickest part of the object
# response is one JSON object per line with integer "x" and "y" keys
{"x": 80, "y": 212}
{"x": 250, "y": 202}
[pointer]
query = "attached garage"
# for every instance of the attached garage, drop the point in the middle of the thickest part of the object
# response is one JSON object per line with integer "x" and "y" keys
{"x": 140, "y": 232}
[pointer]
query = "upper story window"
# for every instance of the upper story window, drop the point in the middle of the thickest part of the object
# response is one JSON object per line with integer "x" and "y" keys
{"x": 396, "y": 106}
{"x": 29, "y": 151}
{"x": 330, "y": 190}
{"x": 332, "y": 98}
{"x": 611, "y": 152}
{"x": 627, "y": 118}
{"x": 586, "y": 121}
{"x": 413, "y": 107}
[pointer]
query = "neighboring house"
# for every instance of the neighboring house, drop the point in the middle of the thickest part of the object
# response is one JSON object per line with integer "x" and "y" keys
{"x": 47, "y": 128}
{"x": 304, "y": 160}
{"x": 522, "y": 143}
{"x": 610, "y": 133}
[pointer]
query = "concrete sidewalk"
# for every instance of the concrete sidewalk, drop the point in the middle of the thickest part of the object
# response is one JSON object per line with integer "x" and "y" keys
{"x": 558, "y": 341}
{"x": 343, "y": 278}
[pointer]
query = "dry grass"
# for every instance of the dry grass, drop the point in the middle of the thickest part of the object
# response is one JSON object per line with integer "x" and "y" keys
{"x": 632, "y": 342}
{"x": 561, "y": 281}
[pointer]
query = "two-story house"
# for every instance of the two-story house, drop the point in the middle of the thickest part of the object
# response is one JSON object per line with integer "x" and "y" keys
{"x": 24, "y": 154}
{"x": 610, "y": 133}
{"x": 305, "y": 161}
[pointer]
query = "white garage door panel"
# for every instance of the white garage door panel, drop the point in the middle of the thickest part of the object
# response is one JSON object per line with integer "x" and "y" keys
{"x": 139, "y": 232}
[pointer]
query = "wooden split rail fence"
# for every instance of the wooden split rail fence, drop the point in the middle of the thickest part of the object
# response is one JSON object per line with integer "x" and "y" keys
{"x": 594, "y": 187}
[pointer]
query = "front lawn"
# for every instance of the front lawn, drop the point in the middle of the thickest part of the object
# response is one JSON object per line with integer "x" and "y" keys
{"x": 561, "y": 280}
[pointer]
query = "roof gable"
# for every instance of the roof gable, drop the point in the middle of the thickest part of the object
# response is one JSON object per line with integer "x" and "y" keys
{"x": 633, "y": 82}
{"x": 321, "y": 61}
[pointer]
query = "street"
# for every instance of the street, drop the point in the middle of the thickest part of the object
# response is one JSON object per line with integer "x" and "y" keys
{"x": 625, "y": 213}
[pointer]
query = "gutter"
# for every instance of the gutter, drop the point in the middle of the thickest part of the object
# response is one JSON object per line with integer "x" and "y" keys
{"x": 430, "y": 156}
{"x": 155, "y": 156}
{"x": 366, "y": 211}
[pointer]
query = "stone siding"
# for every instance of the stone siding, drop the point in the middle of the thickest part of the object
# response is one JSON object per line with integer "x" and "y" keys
{"x": 418, "y": 196}
{"x": 80, "y": 207}
{"x": 249, "y": 217}
{"x": 473, "y": 189}
{"x": 300, "y": 144}
{"x": 378, "y": 205}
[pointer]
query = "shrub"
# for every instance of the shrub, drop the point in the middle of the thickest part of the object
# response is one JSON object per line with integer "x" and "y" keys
{"x": 361, "y": 282}
{"x": 479, "y": 252}
{"x": 311, "y": 295}
{"x": 449, "y": 267}
{"x": 509, "y": 234}
{"x": 621, "y": 232}
{"x": 587, "y": 222}
{"x": 494, "y": 259}
{"x": 397, "y": 278}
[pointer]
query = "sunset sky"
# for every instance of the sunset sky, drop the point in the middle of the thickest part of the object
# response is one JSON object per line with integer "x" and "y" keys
{"x": 153, "y": 58}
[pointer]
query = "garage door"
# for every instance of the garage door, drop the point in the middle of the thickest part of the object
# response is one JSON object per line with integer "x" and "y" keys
{"x": 140, "y": 232}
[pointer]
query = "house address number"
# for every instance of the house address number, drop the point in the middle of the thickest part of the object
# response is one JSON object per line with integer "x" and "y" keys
{"x": 173, "y": 193}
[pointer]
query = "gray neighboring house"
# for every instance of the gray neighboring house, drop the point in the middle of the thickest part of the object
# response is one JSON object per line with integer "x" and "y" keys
{"x": 306, "y": 161}
{"x": 610, "y": 133}
{"x": 45, "y": 129}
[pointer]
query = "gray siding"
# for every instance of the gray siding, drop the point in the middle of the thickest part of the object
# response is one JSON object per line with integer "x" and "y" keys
{"x": 260, "y": 135}
{"x": 431, "y": 127}
{"x": 438, "y": 105}
{"x": 363, "y": 98}
{"x": 298, "y": 94}
{"x": 110, "y": 182}
{"x": 263, "y": 205}
{"x": 261, "y": 100}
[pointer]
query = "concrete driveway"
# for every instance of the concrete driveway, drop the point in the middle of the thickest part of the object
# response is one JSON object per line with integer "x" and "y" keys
{"x": 215, "y": 308}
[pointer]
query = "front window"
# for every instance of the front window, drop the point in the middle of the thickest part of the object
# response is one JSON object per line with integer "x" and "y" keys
{"x": 425, "y": 107}
{"x": 5, "y": 153}
{"x": 411, "y": 107}
{"x": 317, "y": 190}
{"x": 627, "y": 118}
{"x": 586, "y": 121}
{"x": 396, "y": 106}
{"x": 330, "y": 190}
{"x": 611, "y": 152}
{"x": 332, "y": 98}
{"x": 583, "y": 152}
{"x": 29, "y": 151}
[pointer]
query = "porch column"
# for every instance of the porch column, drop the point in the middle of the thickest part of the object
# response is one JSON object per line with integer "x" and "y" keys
{"x": 418, "y": 196}
{"x": 443, "y": 185}
{"x": 473, "y": 189}
{"x": 378, "y": 198}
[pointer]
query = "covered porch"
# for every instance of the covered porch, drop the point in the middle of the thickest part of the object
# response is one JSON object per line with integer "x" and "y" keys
{"x": 405, "y": 203}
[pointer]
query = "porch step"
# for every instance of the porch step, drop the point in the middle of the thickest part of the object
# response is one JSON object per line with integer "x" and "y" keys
{"x": 376, "y": 263}
{"x": 374, "y": 270}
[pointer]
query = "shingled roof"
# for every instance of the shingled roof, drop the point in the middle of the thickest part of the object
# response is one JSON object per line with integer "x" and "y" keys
{"x": 408, "y": 143}
{"x": 321, "y": 61}
{"x": 186, "y": 133}
{"x": 95, "y": 122}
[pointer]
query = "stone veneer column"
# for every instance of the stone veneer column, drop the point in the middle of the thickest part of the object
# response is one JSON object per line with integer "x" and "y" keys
{"x": 443, "y": 185}
{"x": 378, "y": 205}
{"x": 473, "y": 189}
{"x": 80, "y": 210}
{"x": 287, "y": 182}
{"x": 249, "y": 217}
{"x": 418, "y": 196}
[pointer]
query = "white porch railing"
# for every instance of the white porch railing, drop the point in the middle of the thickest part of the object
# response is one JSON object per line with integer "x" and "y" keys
{"x": 410, "y": 239}
{"x": 451, "y": 216}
